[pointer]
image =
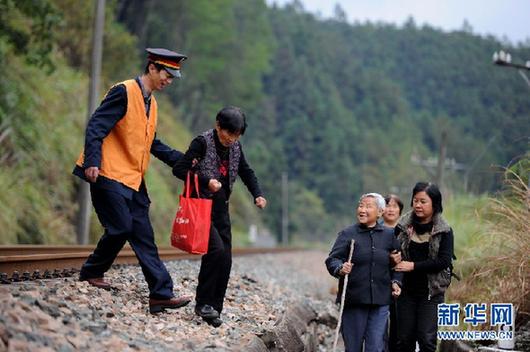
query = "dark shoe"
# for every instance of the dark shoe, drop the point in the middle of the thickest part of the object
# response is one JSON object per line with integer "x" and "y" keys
{"x": 160, "y": 305}
{"x": 216, "y": 322}
{"x": 98, "y": 282}
{"x": 206, "y": 311}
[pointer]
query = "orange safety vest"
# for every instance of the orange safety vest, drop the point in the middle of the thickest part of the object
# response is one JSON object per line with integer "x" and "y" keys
{"x": 126, "y": 150}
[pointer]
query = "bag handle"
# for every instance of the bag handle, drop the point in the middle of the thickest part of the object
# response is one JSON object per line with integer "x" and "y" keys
{"x": 196, "y": 179}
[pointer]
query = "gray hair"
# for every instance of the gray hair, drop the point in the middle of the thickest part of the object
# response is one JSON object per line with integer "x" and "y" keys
{"x": 379, "y": 200}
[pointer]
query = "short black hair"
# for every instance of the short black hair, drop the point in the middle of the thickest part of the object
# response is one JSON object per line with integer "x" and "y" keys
{"x": 158, "y": 66}
{"x": 433, "y": 192}
{"x": 232, "y": 119}
{"x": 389, "y": 197}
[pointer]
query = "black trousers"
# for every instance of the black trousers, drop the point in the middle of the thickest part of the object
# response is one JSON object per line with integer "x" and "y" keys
{"x": 391, "y": 331}
{"x": 417, "y": 320}
{"x": 127, "y": 220}
{"x": 217, "y": 262}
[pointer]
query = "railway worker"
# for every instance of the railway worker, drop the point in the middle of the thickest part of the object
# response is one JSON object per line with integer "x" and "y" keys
{"x": 119, "y": 138}
{"x": 220, "y": 160}
{"x": 371, "y": 283}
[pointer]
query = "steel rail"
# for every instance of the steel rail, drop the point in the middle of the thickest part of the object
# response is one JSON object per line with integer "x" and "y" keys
{"x": 31, "y": 262}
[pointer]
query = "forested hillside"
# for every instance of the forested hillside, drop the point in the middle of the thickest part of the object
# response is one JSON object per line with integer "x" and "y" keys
{"x": 341, "y": 108}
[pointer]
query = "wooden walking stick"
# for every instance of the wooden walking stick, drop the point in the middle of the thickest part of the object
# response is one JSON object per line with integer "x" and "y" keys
{"x": 343, "y": 297}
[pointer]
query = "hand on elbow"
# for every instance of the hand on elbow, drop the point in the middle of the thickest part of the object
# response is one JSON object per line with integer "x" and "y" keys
{"x": 404, "y": 266}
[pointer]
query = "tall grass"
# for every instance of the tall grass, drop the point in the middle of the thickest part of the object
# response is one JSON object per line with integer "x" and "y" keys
{"x": 496, "y": 267}
{"x": 465, "y": 214}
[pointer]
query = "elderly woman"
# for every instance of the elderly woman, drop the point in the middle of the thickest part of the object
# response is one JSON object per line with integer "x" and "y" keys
{"x": 371, "y": 283}
{"x": 427, "y": 250}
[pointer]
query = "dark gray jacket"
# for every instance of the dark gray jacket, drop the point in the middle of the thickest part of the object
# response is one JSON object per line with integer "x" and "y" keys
{"x": 438, "y": 266}
{"x": 370, "y": 281}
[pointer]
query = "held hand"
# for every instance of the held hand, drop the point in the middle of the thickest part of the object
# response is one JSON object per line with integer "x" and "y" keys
{"x": 92, "y": 173}
{"x": 396, "y": 290}
{"x": 395, "y": 257}
{"x": 214, "y": 185}
{"x": 260, "y": 202}
{"x": 404, "y": 266}
{"x": 346, "y": 268}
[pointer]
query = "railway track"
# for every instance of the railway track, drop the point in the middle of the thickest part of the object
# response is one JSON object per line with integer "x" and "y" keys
{"x": 34, "y": 262}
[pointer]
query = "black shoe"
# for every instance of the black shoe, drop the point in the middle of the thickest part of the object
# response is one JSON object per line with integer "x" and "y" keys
{"x": 216, "y": 322}
{"x": 206, "y": 312}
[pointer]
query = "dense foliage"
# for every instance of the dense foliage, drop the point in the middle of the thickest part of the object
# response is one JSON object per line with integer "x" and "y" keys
{"x": 341, "y": 108}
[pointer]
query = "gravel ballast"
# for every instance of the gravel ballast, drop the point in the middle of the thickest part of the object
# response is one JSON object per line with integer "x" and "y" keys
{"x": 68, "y": 315}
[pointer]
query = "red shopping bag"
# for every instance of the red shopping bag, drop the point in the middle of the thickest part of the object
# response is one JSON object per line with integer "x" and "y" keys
{"x": 191, "y": 227}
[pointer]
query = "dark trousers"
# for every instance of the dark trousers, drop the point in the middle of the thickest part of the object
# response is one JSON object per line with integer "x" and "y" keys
{"x": 216, "y": 263}
{"x": 127, "y": 220}
{"x": 364, "y": 323}
{"x": 391, "y": 330}
{"x": 417, "y": 319}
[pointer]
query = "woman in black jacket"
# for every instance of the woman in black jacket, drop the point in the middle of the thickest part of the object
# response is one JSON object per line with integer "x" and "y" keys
{"x": 427, "y": 250}
{"x": 371, "y": 282}
{"x": 220, "y": 160}
{"x": 391, "y": 215}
